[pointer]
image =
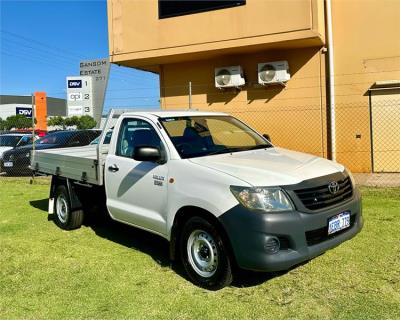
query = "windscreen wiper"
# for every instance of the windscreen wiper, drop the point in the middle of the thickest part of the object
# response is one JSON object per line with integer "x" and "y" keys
{"x": 234, "y": 149}
{"x": 260, "y": 146}
{"x": 226, "y": 150}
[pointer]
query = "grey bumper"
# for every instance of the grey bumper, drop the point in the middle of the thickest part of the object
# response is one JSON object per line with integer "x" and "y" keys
{"x": 303, "y": 236}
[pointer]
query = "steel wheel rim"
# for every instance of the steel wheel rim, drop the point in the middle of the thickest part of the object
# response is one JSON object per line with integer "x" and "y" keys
{"x": 62, "y": 208}
{"x": 202, "y": 253}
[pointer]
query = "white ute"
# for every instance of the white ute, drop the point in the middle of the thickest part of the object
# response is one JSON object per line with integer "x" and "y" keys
{"x": 219, "y": 192}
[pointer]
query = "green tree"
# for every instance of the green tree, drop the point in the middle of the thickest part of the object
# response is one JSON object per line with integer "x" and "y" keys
{"x": 3, "y": 124}
{"x": 56, "y": 122}
{"x": 72, "y": 121}
{"x": 86, "y": 122}
{"x": 83, "y": 122}
{"x": 18, "y": 122}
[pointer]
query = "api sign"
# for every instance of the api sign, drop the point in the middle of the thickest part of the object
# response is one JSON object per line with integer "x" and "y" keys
{"x": 27, "y": 112}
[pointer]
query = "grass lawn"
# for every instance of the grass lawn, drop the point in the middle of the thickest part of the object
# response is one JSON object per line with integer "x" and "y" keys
{"x": 121, "y": 272}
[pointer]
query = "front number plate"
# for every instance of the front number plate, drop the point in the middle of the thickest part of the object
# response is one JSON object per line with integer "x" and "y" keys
{"x": 8, "y": 164}
{"x": 339, "y": 222}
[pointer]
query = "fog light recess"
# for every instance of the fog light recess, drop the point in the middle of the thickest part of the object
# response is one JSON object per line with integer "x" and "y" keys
{"x": 272, "y": 245}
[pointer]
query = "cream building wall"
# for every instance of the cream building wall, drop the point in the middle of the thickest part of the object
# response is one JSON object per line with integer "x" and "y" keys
{"x": 187, "y": 49}
{"x": 275, "y": 110}
{"x": 366, "y": 50}
{"x": 138, "y": 38}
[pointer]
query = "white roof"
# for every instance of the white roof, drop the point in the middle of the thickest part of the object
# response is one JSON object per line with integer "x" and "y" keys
{"x": 18, "y": 134}
{"x": 172, "y": 114}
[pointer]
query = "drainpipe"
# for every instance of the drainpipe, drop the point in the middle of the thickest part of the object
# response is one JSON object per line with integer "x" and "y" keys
{"x": 331, "y": 72}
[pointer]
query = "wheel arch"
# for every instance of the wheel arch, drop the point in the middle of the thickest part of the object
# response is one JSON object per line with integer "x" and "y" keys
{"x": 182, "y": 215}
{"x": 57, "y": 181}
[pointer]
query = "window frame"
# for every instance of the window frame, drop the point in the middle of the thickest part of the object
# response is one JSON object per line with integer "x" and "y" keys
{"x": 162, "y": 120}
{"x": 120, "y": 132}
{"x": 231, "y": 4}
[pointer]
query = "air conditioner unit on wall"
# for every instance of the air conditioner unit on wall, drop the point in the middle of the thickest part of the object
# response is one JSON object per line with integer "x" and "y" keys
{"x": 273, "y": 72}
{"x": 229, "y": 77}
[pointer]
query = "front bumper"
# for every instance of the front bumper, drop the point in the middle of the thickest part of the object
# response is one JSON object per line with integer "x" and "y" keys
{"x": 303, "y": 236}
{"x": 18, "y": 165}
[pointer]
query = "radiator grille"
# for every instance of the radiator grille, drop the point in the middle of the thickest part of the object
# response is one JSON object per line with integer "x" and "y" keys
{"x": 320, "y": 197}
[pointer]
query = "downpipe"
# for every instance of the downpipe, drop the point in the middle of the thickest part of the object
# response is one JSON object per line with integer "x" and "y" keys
{"x": 331, "y": 77}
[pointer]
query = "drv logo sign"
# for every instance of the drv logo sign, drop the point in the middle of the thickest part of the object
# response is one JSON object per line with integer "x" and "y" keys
{"x": 74, "y": 83}
{"x": 27, "y": 112}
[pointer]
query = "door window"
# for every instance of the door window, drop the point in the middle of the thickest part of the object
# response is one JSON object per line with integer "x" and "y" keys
{"x": 134, "y": 133}
{"x": 24, "y": 141}
{"x": 77, "y": 140}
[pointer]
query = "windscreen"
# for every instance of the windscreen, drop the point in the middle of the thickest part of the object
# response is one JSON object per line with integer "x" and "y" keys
{"x": 107, "y": 138}
{"x": 56, "y": 138}
{"x": 207, "y": 135}
{"x": 9, "y": 141}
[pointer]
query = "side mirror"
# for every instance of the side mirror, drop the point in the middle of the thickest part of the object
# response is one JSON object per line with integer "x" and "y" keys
{"x": 266, "y": 136}
{"x": 21, "y": 143}
{"x": 147, "y": 153}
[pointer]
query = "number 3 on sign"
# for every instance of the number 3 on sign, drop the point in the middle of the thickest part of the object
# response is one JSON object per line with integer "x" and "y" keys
{"x": 86, "y": 96}
{"x": 87, "y": 109}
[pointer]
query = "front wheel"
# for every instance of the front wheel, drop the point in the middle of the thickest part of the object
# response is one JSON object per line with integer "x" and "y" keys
{"x": 65, "y": 218}
{"x": 204, "y": 255}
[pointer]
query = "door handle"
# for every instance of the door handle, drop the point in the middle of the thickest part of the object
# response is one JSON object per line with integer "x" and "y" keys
{"x": 113, "y": 168}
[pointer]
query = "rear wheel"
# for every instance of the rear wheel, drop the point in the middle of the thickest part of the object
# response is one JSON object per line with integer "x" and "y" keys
{"x": 204, "y": 255}
{"x": 65, "y": 218}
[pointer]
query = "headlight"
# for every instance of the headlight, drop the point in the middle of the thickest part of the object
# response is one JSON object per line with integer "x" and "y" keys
{"x": 11, "y": 157}
{"x": 266, "y": 199}
{"x": 28, "y": 155}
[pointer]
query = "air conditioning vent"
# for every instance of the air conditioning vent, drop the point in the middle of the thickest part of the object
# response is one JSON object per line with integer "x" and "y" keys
{"x": 273, "y": 72}
{"x": 223, "y": 77}
{"x": 228, "y": 77}
{"x": 267, "y": 73}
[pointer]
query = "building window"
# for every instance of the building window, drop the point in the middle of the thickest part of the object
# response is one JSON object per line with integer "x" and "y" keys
{"x": 173, "y": 8}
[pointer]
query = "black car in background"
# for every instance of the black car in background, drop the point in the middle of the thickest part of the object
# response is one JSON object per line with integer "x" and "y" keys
{"x": 17, "y": 161}
{"x": 13, "y": 140}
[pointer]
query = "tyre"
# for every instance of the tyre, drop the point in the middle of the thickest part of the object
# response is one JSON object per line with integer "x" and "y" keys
{"x": 204, "y": 254}
{"x": 65, "y": 218}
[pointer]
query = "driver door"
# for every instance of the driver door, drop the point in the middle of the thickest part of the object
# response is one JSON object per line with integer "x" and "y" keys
{"x": 137, "y": 190}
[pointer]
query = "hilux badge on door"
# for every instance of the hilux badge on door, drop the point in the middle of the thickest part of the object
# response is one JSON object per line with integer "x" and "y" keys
{"x": 158, "y": 180}
{"x": 333, "y": 187}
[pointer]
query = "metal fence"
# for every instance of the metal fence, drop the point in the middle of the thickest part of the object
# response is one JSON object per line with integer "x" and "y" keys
{"x": 367, "y": 134}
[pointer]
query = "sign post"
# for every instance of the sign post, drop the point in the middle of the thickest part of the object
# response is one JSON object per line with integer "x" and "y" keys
{"x": 99, "y": 71}
{"x": 33, "y": 126}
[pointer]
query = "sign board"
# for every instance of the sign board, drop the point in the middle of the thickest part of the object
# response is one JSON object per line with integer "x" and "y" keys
{"x": 75, "y": 111}
{"x": 99, "y": 71}
{"x": 75, "y": 96}
{"x": 41, "y": 110}
{"x": 23, "y": 111}
{"x": 74, "y": 83}
{"x": 80, "y": 96}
